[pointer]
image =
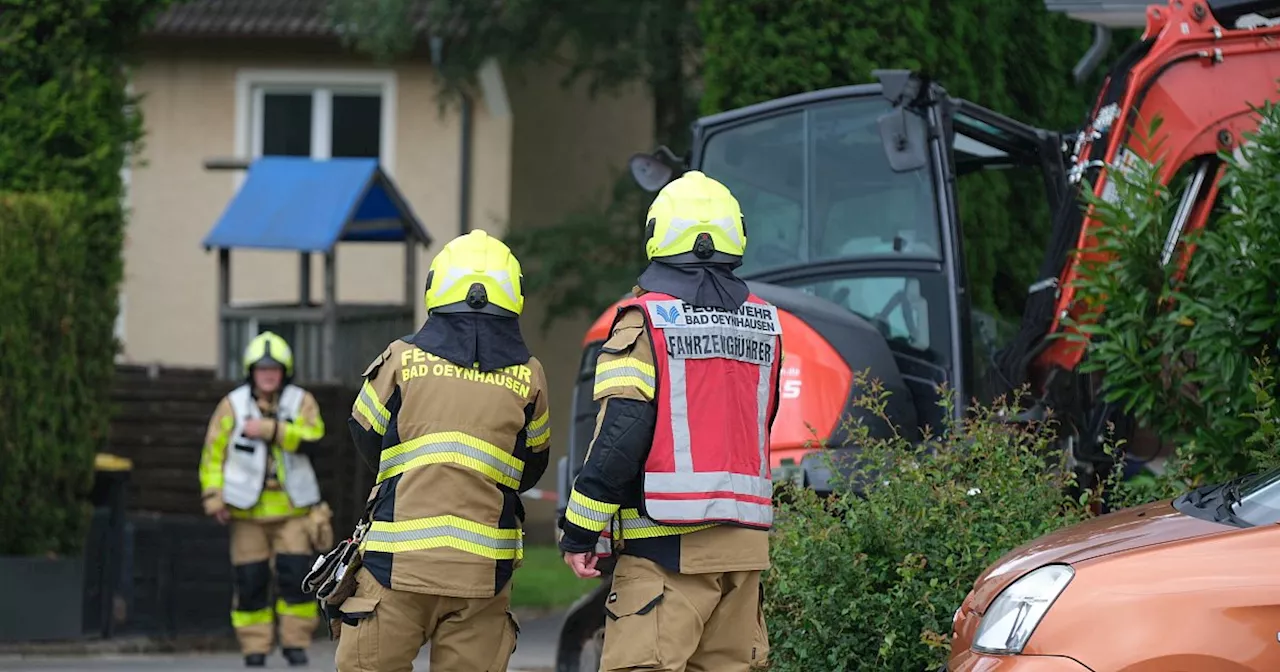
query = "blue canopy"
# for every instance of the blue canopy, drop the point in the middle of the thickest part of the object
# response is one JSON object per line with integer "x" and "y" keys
{"x": 296, "y": 203}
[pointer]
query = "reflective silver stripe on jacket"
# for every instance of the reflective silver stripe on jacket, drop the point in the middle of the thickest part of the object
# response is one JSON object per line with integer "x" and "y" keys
{"x": 719, "y": 504}
{"x": 710, "y": 482}
{"x": 512, "y": 473}
{"x": 451, "y": 531}
{"x": 714, "y": 508}
{"x": 601, "y": 517}
{"x": 626, "y": 372}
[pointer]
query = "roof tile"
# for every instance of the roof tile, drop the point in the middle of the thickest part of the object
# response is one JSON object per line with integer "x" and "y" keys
{"x": 257, "y": 18}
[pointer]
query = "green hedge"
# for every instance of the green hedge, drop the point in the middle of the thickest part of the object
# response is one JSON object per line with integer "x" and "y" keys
{"x": 1010, "y": 55}
{"x": 66, "y": 126}
{"x": 55, "y": 367}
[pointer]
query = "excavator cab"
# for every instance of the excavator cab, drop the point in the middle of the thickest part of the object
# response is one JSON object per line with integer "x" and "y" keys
{"x": 849, "y": 200}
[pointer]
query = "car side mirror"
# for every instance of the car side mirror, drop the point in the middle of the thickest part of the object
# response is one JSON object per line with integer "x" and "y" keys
{"x": 903, "y": 142}
{"x": 649, "y": 171}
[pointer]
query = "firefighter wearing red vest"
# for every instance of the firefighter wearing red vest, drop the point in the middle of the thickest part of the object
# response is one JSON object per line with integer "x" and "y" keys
{"x": 677, "y": 475}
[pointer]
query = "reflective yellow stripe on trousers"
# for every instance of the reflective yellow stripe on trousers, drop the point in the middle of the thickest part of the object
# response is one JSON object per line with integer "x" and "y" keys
{"x": 309, "y": 609}
{"x": 455, "y": 448}
{"x": 245, "y": 619}
{"x": 445, "y": 532}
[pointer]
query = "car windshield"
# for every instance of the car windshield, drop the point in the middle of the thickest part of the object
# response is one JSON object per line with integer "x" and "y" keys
{"x": 1260, "y": 500}
{"x": 815, "y": 185}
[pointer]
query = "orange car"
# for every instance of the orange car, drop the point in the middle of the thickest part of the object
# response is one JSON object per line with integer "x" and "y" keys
{"x": 1187, "y": 585}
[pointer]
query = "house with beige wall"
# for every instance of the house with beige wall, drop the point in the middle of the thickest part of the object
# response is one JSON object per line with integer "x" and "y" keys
{"x": 270, "y": 77}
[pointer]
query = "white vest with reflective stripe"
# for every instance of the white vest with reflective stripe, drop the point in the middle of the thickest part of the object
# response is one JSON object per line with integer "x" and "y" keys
{"x": 244, "y": 471}
{"x": 717, "y": 376}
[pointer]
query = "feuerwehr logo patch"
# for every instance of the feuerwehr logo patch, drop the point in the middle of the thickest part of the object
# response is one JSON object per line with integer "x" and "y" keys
{"x": 670, "y": 314}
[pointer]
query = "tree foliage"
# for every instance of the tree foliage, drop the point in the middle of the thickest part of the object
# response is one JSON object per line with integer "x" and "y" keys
{"x": 1189, "y": 350}
{"x": 68, "y": 124}
{"x": 609, "y": 43}
{"x": 1009, "y": 55}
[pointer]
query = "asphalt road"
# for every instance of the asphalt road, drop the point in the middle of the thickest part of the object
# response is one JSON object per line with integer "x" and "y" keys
{"x": 535, "y": 652}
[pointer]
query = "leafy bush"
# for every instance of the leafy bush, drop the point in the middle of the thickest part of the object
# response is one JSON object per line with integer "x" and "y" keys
{"x": 1189, "y": 355}
{"x": 55, "y": 366}
{"x": 68, "y": 124}
{"x": 871, "y": 580}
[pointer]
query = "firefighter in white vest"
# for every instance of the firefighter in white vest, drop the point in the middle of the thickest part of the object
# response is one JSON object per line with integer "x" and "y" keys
{"x": 677, "y": 476}
{"x": 256, "y": 474}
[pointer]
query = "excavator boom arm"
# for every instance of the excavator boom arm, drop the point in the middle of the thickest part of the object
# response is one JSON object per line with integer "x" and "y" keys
{"x": 1202, "y": 80}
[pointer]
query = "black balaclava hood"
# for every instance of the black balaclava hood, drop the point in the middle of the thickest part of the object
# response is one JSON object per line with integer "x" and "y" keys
{"x": 702, "y": 284}
{"x": 466, "y": 338}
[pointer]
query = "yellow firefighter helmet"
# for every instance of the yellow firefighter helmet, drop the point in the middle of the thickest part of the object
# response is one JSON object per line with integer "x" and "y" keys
{"x": 268, "y": 348}
{"x": 695, "y": 218}
{"x": 475, "y": 273}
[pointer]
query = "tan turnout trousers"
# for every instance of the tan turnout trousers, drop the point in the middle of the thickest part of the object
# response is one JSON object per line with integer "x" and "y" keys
{"x": 383, "y": 630}
{"x": 669, "y": 622}
{"x": 265, "y": 553}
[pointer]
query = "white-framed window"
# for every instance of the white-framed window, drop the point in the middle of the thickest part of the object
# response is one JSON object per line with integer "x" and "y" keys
{"x": 320, "y": 114}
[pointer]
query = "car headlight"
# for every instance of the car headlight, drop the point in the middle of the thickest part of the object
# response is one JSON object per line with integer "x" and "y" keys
{"x": 1016, "y": 612}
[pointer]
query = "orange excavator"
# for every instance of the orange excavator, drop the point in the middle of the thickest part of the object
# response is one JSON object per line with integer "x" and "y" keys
{"x": 856, "y": 237}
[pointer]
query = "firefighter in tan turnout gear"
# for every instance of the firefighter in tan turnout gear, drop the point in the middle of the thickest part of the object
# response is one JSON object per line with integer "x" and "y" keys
{"x": 255, "y": 473}
{"x": 678, "y": 471}
{"x": 454, "y": 420}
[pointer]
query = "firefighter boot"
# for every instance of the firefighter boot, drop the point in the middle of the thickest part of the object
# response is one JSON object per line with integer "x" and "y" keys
{"x": 296, "y": 657}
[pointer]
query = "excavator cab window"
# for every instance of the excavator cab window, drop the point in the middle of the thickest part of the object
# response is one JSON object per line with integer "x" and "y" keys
{"x": 815, "y": 185}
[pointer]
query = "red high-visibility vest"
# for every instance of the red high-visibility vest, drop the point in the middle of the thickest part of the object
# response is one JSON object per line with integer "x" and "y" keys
{"x": 717, "y": 375}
